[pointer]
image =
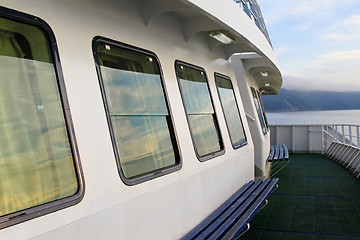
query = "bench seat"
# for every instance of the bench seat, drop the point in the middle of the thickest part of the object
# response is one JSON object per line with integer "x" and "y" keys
{"x": 278, "y": 153}
{"x": 231, "y": 218}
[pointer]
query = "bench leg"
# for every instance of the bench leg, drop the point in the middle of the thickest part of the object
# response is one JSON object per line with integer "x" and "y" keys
{"x": 278, "y": 169}
{"x": 266, "y": 203}
{"x": 247, "y": 229}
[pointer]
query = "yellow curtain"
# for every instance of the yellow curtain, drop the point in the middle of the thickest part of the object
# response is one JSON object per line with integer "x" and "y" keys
{"x": 34, "y": 168}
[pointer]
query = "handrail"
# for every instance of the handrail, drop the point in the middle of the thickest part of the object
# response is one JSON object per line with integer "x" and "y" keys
{"x": 251, "y": 118}
{"x": 346, "y": 134}
{"x": 314, "y": 137}
{"x": 252, "y": 9}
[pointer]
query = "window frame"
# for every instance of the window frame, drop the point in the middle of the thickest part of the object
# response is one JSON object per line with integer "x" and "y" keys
{"x": 261, "y": 108}
{"x": 53, "y": 206}
{"x": 172, "y": 130}
{"x": 235, "y": 147}
{"x": 217, "y": 125}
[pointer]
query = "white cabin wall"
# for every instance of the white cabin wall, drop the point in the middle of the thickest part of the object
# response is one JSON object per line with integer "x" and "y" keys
{"x": 261, "y": 142}
{"x": 109, "y": 208}
{"x": 241, "y": 23}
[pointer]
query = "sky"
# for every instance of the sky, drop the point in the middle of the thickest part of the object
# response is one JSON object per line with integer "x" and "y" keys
{"x": 317, "y": 42}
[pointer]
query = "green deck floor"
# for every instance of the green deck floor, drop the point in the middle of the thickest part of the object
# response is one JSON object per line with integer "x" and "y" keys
{"x": 316, "y": 199}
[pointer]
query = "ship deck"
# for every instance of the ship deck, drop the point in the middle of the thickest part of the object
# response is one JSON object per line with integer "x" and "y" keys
{"x": 316, "y": 199}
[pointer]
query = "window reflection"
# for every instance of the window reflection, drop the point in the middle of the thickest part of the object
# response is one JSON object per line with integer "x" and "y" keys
{"x": 144, "y": 144}
{"x": 263, "y": 110}
{"x": 231, "y": 111}
{"x": 200, "y": 111}
{"x": 133, "y": 93}
{"x": 259, "y": 110}
{"x": 36, "y": 161}
{"x": 138, "y": 112}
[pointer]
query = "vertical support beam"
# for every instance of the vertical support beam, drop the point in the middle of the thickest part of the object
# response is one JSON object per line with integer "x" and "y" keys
{"x": 310, "y": 141}
{"x": 323, "y": 142}
{"x": 343, "y": 133}
{"x": 358, "y": 136}
{"x": 350, "y": 136}
{"x": 293, "y": 139}
{"x": 327, "y": 136}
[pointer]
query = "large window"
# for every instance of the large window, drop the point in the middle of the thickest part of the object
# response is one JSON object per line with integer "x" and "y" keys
{"x": 260, "y": 110}
{"x": 38, "y": 166}
{"x": 138, "y": 115}
{"x": 231, "y": 110}
{"x": 200, "y": 111}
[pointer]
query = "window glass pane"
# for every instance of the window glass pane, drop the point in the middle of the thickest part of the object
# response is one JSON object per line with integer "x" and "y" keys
{"x": 36, "y": 162}
{"x": 138, "y": 111}
{"x": 195, "y": 90}
{"x": 263, "y": 110}
{"x": 231, "y": 111}
{"x": 200, "y": 111}
{"x": 204, "y": 133}
{"x": 144, "y": 144}
{"x": 134, "y": 93}
{"x": 258, "y": 109}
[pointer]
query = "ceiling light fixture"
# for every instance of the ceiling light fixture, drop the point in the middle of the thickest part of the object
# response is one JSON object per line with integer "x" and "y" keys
{"x": 267, "y": 84}
{"x": 264, "y": 74}
{"x": 222, "y": 36}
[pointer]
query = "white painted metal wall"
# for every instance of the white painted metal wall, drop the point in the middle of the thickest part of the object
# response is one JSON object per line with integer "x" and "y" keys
{"x": 314, "y": 138}
{"x": 298, "y": 138}
{"x": 169, "y": 206}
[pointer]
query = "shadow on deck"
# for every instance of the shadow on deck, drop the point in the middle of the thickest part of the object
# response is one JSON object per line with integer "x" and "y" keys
{"x": 316, "y": 199}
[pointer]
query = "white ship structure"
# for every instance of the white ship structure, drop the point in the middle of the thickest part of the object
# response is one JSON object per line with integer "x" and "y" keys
{"x": 129, "y": 119}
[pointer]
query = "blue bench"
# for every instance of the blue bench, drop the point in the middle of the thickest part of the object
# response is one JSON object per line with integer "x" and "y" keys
{"x": 278, "y": 153}
{"x": 279, "y": 156}
{"x": 231, "y": 218}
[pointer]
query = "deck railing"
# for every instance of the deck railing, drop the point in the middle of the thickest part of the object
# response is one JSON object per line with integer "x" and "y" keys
{"x": 252, "y": 9}
{"x": 341, "y": 143}
{"x": 346, "y": 134}
{"x": 314, "y": 138}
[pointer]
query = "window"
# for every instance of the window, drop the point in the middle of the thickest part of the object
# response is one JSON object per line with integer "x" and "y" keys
{"x": 138, "y": 115}
{"x": 231, "y": 110}
{"x": 260, "y": 110}
{"x": 200, "y": 111}
{"x": 263, "y": 110}
{"x": 39, "y": 167}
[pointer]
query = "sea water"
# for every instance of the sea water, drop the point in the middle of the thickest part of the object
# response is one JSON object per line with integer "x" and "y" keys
{"x": 344, "y": 117}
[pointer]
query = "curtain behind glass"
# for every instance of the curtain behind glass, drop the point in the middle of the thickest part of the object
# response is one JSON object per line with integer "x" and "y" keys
{"x": 138, "y": 111}
{"x": 36, "y": 164}
{"x": 258, "y": 109}
{"x": 200, "y": 111}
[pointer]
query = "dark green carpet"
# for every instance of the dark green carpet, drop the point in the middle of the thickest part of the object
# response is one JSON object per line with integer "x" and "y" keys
{"x": 316, "y": 199}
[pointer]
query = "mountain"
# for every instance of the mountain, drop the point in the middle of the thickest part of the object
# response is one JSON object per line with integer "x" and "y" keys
{"x": 293, "y": 100}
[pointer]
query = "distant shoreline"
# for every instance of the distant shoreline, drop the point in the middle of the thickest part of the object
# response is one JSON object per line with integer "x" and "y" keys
{"x": 310, "y": 110}
{"x": 292, "y": 100}
{"x": 323, "y": 117}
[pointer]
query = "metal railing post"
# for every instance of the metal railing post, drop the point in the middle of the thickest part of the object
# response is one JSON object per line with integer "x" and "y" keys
{"x": 322, "y": 140}
{"x": 358, "y": 136}
{"x": 327, "y": 134}
{"x": 293, "y": 139}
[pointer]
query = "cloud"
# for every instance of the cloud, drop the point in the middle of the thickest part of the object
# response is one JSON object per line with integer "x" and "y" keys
{"x": 342, "y": 55}
{"x": 282, "y": 48}
{"x": 335, "y": 71}
{"x": 304, "y": 15}
{"x": 277, "y": 10}
{"x": 316, "y": 84}
{"x": 340, "y": 36}
{"x": 317, "y": 42}
{"x": 352, "y": 22}
{"x": 344, "y": 30}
